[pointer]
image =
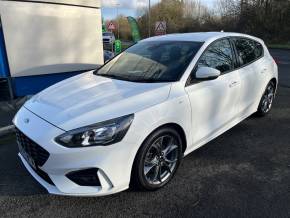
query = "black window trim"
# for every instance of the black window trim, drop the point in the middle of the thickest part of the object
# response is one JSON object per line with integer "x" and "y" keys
{"x": 236, "y": 52}
{"x": 195, "y": 66}
{"x": 237, "y": 62}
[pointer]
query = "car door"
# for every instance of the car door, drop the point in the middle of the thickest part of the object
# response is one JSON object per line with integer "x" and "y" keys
{"x": 252, "y": 72}
{"x": 213, "y": 102}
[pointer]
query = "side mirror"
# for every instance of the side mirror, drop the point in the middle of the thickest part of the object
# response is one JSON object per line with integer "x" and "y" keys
{"x": 207, "y": 73}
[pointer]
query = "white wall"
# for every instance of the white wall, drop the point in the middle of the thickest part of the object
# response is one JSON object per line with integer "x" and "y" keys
{"x": 89, "y": 3}
{"x": 51, "y": 38}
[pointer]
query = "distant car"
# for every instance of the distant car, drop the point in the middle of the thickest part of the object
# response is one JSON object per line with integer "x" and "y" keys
{"x": 108, "y": 38}
{"x": 133, "y": 120}
{"x": 108, "y": 55}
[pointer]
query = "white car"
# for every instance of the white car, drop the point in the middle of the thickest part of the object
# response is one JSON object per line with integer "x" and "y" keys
{"x": 108, "y": 38}
{"x": 132, "y": 121}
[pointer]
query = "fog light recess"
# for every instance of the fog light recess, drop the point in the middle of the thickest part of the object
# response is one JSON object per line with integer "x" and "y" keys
{"x": 87, "y": 177}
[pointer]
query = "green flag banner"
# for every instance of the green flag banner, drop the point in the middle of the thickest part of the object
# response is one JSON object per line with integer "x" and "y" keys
{"x": 134, "y": 29}
{"x": 104, "y": 28}
{"x": 118, "y": 46}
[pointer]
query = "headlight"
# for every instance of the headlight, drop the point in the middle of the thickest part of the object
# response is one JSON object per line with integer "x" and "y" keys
{"x": 102, "y": 134}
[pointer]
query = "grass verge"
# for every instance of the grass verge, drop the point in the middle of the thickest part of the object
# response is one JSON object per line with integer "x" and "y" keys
{"x": 279, "y": 46}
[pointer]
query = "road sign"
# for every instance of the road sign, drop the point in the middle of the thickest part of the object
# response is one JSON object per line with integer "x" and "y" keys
{"x": 118, "y": 46}
{"x": 160, "y": 28}
{"x": 111, "y": 26}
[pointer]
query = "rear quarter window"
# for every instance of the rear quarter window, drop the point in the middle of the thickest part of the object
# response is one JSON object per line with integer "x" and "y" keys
{"x": 248, "y": 50}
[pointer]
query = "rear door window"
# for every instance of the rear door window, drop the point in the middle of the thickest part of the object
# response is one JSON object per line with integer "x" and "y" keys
{"x": 248, "y": 50}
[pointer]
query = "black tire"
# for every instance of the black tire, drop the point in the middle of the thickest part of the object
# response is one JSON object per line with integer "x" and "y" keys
{"x": 267, "y": 99}
{"x": 139, "y": 180}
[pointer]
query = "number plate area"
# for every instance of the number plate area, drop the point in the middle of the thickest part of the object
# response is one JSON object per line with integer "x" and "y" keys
{"x": 27, "y": 157}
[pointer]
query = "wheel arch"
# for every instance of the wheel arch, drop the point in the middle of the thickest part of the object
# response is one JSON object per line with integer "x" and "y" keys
{"x": 274, "y": 80}
{"x": 180, "y": 130}
{"x": 174, "y": 126}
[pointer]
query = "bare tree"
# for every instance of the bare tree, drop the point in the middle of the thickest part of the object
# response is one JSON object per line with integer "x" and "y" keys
{"x": 267, "y": 19}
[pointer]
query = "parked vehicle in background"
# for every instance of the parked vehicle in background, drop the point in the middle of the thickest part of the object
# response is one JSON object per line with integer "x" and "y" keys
{"x": 108, "y": 38}
{"x": 133, "y": 120}
{"x": 108, "y": 55}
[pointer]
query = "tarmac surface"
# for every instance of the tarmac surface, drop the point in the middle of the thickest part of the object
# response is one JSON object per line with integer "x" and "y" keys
{"x": 243, "y": 173}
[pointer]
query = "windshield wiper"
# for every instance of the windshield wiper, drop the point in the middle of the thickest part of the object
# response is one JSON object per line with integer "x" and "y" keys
{"x": 137, "y": 80}
{"x": 151, "y": 80}
{"x": 108, "y": 76}
{"x": 112, "y": 76}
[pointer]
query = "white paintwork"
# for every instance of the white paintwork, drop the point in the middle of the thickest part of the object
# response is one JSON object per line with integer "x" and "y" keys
{"x": 44, "y": 38}
{"x": 203, "y": 110}
{"x": 100, "y": 96}
{"x": 207, "y": 72}
{"x": 214, "y": 104}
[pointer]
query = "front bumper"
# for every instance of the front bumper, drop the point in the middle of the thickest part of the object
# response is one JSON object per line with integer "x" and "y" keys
{"x": 108, "y": 41}
{"x": 114, "y": 162}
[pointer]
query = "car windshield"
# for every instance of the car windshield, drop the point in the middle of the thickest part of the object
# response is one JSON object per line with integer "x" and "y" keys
{"x": 152, "y": 61}
{"x": 107, "y": 34}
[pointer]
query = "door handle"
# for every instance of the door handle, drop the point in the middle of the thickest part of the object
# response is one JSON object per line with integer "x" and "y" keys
{"x": 232, "y": 84}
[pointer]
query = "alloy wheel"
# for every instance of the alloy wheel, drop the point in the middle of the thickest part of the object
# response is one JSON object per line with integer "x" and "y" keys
{"x": 268, "y": 98}
{"x": 161, "y": 159}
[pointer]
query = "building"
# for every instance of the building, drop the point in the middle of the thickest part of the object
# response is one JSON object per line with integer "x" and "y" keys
{"x": 45, "y": 41}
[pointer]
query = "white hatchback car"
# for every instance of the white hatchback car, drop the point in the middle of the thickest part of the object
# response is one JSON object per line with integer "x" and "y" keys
{"x": 133, "y": 120}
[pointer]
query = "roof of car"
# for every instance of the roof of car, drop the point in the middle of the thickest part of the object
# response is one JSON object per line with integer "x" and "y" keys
{"x": 197, "y": 37}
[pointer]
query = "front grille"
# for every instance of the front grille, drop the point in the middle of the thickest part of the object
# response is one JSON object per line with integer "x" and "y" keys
{"x": 37, "y": 153}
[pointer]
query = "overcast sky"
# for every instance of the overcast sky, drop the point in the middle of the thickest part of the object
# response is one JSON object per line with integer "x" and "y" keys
{"x": 129, "y": 7}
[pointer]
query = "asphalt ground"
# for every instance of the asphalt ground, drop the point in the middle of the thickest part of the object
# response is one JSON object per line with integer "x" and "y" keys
{"x": 243, "y": 173}
{"x": 8, "y": 109}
